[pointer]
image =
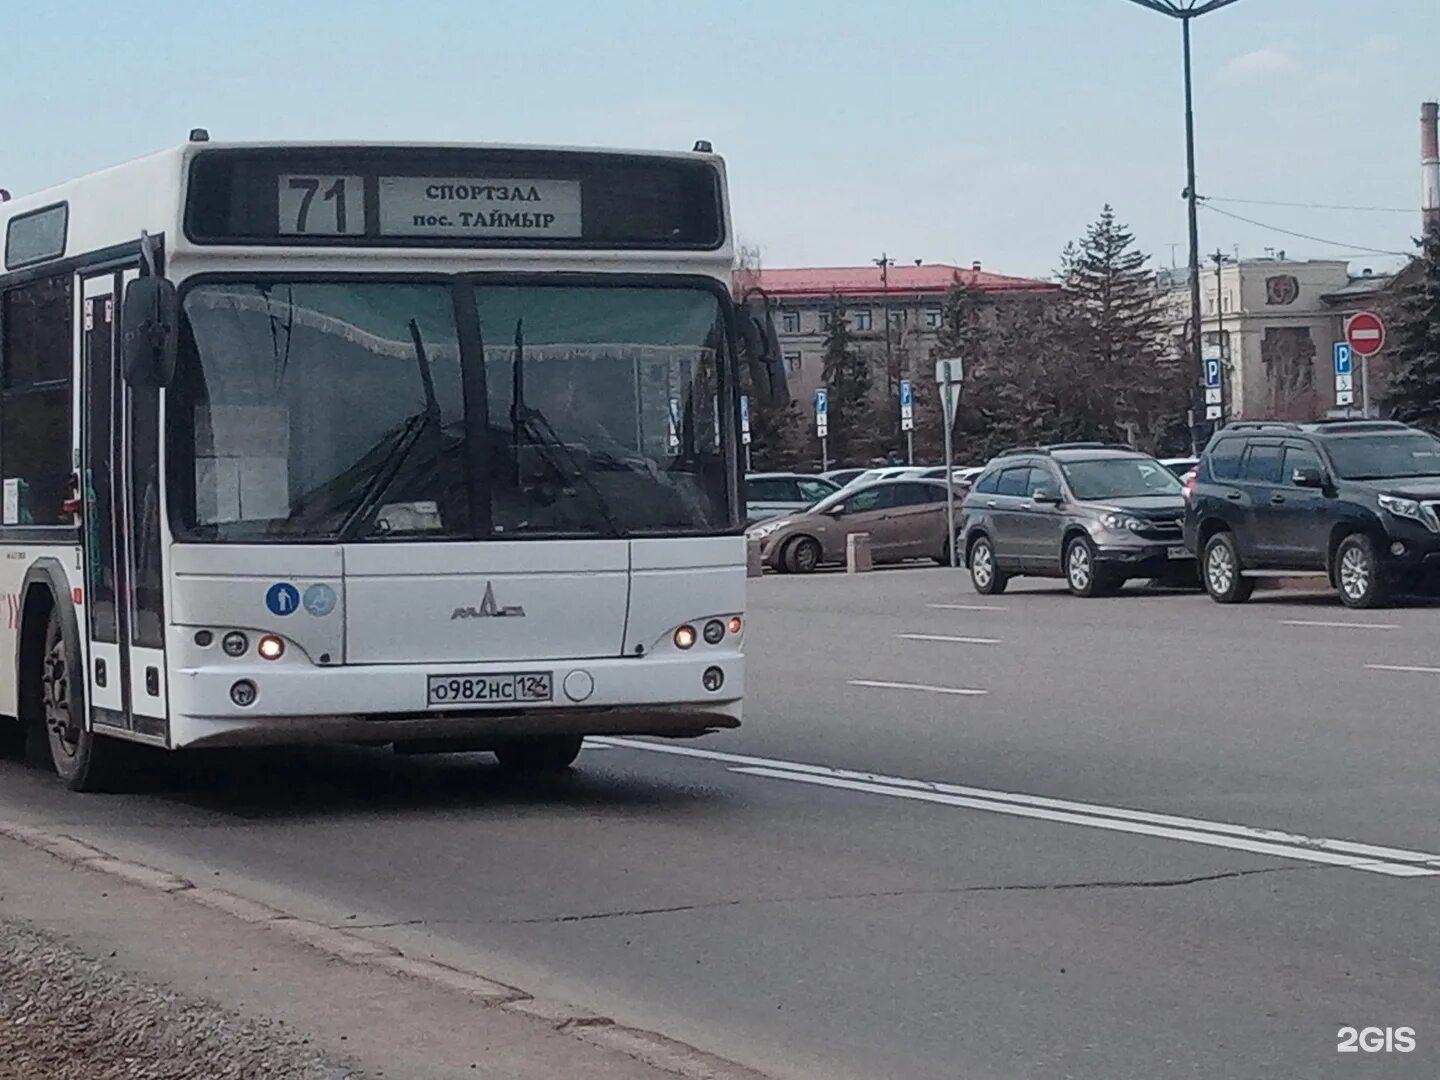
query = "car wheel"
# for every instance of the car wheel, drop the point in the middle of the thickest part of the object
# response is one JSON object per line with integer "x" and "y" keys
{"x": 802, "y": 555}
{"x": 1082, "y": 570}
{"x": 1358, "y": 574}
{"x": 987, "y": 578}
{"x": 539, "y": 754}
{"x": 83, "y": 760}
{"x": 943, "y": 559}
{"x": 1221, "y": 571}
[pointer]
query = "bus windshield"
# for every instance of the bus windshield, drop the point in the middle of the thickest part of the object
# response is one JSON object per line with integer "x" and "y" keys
{"x": 350, "y": 412}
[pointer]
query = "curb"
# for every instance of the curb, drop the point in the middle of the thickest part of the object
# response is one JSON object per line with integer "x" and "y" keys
{"x": 647, "y": 1047}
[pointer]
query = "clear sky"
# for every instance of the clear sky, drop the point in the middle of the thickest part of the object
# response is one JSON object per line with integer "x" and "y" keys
{"x": 945, "y": 130}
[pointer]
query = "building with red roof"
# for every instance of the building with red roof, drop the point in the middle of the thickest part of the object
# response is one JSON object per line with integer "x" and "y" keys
{"x": 912, "y": 296}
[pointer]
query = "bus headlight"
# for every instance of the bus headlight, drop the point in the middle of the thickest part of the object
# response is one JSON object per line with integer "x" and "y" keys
{"x": 270, "y": 647}
{"x": 234, "y": 643}
{"x": 684, "y": 637}
{"x": 714, "y": 632}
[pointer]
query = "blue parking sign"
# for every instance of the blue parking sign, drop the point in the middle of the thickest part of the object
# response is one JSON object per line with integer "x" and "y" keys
{"x": 1212, "y": 371}
{"x": 1343, "y": 359}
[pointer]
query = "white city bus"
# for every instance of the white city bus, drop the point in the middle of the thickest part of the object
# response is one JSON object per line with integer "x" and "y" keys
{"x": 431, "y": 446}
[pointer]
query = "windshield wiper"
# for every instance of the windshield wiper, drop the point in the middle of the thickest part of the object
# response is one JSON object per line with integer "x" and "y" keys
{"x": 546, "y": 439}
{"x": 410, "y": 432}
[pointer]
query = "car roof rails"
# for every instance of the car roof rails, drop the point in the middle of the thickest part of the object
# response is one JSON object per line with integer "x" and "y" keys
{"x": 1050, "y": 447}
{"x": 1254, "y": 425}
{"x": 1362, "y": 425}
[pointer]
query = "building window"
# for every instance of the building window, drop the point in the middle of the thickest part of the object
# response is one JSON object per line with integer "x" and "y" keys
{"x": 1225, "y": 302}
{"x": 932, "y": 318}
{"x": 897, "y": 319}
{"x": 35, "y": 357}
{"x": 793, "y": 362}
{"x": 860, "y": 319}
{"x": 825, "y": 321}
{"x": 790, "y": 321}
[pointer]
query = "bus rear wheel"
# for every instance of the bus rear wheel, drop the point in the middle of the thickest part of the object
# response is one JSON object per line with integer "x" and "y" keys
{"x": 83, "y": 760}
{"x": 540, "y": 753}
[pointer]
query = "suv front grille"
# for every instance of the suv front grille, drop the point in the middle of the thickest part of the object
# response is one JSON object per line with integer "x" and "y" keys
{"x": 1160, "y": 530}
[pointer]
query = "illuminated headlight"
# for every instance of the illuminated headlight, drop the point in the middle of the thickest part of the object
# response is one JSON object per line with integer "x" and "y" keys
{"x": 1121, "y": 522}
{"x": 270, "y": 647}
{"x": 759, "y": 532}
{"x": 684, "y": 637}
{"x": 1401, "y": 507}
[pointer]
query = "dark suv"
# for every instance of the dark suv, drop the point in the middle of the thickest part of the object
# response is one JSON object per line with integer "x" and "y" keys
{"x": 1093, "y": 514}
{"x": 1356, "y": 500}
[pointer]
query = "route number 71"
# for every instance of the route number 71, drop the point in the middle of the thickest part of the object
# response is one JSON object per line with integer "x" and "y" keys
{"x": 322, "y": 205}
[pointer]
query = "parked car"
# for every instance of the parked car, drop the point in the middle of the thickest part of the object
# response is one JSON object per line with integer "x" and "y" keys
{"x": 841, "y": 477}
{"x": 1358, "y": 500}
{"x": 769, "y": 495}
{"x": 960, "y": 476}
{"x": 1092, "y": 514}
{"x": 1180, "y": 466}
{"x": 905, "y": 519}
{"x": 888, "y": 472}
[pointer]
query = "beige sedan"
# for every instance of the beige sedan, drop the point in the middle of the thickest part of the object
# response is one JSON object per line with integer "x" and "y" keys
{"x": 905, "y": 519}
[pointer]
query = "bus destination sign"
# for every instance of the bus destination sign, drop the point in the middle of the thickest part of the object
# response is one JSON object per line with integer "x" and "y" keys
{"x": 474, "y": 206}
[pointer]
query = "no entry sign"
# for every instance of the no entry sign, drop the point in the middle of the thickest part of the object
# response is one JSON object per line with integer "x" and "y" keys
{"x": 1366, "y": 333}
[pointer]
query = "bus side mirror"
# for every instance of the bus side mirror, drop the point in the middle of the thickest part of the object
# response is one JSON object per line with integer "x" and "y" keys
{"x": 762, "y": 350}
{"x": 149, "y": 328}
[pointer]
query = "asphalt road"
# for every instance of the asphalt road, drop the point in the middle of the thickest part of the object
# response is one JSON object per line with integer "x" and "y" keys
{"x": 1249, "y": 873}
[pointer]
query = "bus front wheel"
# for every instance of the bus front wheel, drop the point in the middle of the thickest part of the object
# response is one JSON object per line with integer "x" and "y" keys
{"x": 84, "y": 761}
{"x": 539, "y": 754}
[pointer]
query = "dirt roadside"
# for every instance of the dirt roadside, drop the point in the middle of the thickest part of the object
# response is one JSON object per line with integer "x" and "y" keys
{"x": 102, "y": 979}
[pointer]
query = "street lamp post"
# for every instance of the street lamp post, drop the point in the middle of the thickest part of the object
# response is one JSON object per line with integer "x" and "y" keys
{"x": 1185, "y": 10}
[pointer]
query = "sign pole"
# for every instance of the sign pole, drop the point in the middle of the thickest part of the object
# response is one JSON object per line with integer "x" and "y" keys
{"x": 1365, "y": 385}
{"x": 948, "y": 374}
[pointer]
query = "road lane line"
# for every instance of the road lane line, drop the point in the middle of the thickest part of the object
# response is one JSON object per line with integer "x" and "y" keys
{"x": 1340, "y": 625}
{"x": 876, "y": 684}
{"x": 967, "y": 607}
{"x": 1093, "y": 810}
{"x": 1208, "y": 839}
{"x": 949, "y": 639}
{"x": 1404, "y": 667}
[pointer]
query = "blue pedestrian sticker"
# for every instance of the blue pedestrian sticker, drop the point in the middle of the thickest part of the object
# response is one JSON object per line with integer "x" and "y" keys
{"x": 320, "y": 600}
{"x": 282, "y": 598}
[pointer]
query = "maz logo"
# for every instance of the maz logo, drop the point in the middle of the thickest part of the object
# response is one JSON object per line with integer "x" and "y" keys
{"x": 488, "y": 609}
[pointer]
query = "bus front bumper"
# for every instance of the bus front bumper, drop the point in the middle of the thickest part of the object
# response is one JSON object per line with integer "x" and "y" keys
{"x": 302, "y": 703}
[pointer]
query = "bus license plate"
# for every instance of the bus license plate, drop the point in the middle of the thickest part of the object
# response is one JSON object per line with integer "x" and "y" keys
{"x": 504, "y": 689}
{"x": 1178, "y": 553}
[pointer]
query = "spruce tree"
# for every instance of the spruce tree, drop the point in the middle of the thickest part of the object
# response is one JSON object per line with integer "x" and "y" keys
{"x": 1415, "y": 336}
{"x": 847, "y": 376}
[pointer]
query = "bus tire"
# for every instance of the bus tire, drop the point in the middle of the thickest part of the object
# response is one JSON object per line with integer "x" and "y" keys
{"x": 83, "y": 760}
{"x": 539, "y": 753}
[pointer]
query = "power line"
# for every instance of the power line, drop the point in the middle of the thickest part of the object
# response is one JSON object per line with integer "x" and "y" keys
{"x": 1305, "y": 236}
{"x": 1311, "y": 206}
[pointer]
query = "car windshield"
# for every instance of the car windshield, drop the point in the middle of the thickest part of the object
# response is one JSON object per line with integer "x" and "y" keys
{"x": 1119, "y": 478}
{"x": 339, "y": 411}
{"x": 1383, "y": 457}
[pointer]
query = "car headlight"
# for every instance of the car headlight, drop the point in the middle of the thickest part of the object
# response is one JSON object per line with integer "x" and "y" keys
{"x": 1400, "y": 507}
{"x": 759, "y": 532}
{"x": 1121, "y": 522}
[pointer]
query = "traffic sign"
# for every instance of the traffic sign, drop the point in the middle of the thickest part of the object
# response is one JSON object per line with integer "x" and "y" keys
{"x": 744, "y": 420}
{"x": 907, "y": 406}
{"x": 1366, "y": 333}
{"x": 1212, "y": 371}
{"x": 822, "y": 413}
{"x": 1344, "y": 361}
{"x": 1212, "y": 395}
{"x": 1212, "y": 412}
{"x": 1344, "y": 397}
{"x": 1344, "y": 382}
{"x": 950, "y": 373}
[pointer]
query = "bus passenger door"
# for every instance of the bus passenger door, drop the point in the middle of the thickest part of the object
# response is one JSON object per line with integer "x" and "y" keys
{"x": 120, "y": 485}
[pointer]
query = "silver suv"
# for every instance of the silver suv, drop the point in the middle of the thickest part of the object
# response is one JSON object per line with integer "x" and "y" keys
{"x": 1093, "y": 514}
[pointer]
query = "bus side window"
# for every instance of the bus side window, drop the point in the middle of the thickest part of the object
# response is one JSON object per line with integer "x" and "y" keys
{"x": 35, "y": 421}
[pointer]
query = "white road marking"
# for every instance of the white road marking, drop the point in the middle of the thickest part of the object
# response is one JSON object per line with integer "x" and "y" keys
{"x": 1340, "y": 625}
{"x": 1284, "y": 851}
{"x": 1396, "y": 862}
{"x": 1404, "y": 667}
{"x": 968, "y": 607}
{"x": 876, "y": 684}
{"x": 949, "y": 639}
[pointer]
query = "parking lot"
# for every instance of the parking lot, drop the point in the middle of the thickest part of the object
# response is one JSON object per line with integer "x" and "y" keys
{"x": 1029, "y": 835}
